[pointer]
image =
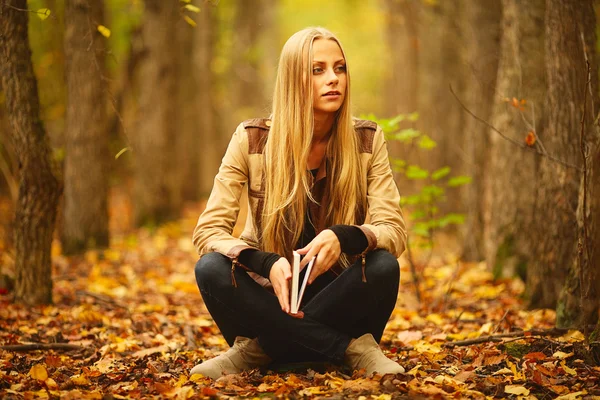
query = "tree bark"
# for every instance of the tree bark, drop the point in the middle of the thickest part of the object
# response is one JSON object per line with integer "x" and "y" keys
{"x": 157, "y": 192}
{"x": 482, "y": 41}
{"x": 402, "y": 28}
{"x": 511, "y": 176}
{"x": 573, "y": 27}
{"x": 39, "y": 188}
{"x": 247, "y": 61}
{"x": 440, "y": 67}
{"x": 557, "y": 197}
{"x": 86, "y": 160}
{"x": 188, "y": 92}
{"x": 208, "y": 143}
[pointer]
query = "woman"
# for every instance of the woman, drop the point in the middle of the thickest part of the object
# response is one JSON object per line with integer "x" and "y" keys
{"x": 319, "y": 182}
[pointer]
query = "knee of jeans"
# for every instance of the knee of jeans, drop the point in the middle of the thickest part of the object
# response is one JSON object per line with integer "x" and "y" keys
{"x": 213, "y": 269}
{"x": 382, "y": 267}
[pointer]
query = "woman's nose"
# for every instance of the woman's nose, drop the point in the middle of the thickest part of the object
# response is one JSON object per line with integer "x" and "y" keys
{"x": 332, "y": 77}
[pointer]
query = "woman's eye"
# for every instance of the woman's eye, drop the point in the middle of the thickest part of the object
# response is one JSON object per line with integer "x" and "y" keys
{"x": 317, "y": 70}
{"x": 341, "y": 68}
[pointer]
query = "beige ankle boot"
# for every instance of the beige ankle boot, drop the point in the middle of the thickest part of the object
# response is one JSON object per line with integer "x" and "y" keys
{"x": 364, "y": 352}
{"x": 245, "y": 354}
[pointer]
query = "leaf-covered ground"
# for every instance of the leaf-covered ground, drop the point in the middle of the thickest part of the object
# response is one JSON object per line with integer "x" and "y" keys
{"x": 129, "y": 322}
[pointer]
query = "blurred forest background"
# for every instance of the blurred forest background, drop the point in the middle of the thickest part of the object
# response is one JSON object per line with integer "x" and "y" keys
{"x": 138, "y": 100}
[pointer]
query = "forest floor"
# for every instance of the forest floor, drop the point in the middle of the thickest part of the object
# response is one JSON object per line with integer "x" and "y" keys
{"x": 128, "y": 322}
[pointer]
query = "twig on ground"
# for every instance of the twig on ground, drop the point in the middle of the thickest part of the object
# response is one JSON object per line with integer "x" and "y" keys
{"x": 501, "y": 320}
{"x": 42, "y": 346}
{"x": 104, "y": 299}
{"x": 500, "y": 336}
{"x": 191, "y": 340}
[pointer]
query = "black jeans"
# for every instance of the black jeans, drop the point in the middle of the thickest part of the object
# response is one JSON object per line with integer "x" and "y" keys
{"x": 336, "y": 308}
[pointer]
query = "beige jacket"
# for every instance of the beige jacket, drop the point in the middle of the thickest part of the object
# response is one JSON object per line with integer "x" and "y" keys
{"x": 243, "y": 165}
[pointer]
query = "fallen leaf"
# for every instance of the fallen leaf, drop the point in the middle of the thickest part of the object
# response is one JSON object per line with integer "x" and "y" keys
{"x": 38, "y": 372}
{"x": 516, "y": 389}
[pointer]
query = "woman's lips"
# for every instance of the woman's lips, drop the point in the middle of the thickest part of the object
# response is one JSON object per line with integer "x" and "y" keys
{"x": 332, "y": 94}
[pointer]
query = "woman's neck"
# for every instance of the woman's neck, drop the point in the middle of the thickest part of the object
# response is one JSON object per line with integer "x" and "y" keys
{"x": 322, "y": 127}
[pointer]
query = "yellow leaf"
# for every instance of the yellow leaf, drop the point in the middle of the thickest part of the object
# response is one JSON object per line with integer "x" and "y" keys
{"x": 80, "y": 380}
{"x": 568, "y": 370}
{"x": 572, "y": 336}
{"x": 435, "y": 318}
{"x": 43, "y": 13}
{"x": 572, "y": 396}
{"x": 516, "y": 389}
{"x": 189, "y": 21}
{"x": 51, "y": 383}
{"x": 192, "y": 8}
{"x": 38, "y": 372}
{"x": 503, "y": 371}
{"x": 104, "y": 31}
{"x": 120, "y": 153}
{"x": 561, "y": 355}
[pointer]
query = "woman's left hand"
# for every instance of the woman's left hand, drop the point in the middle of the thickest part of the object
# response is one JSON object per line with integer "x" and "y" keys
{"x": 326, "y": 247}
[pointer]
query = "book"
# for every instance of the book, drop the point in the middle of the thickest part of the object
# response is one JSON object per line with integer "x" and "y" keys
{"x": 297, "y": 291}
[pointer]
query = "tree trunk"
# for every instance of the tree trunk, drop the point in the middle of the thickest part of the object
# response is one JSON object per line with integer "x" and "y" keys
{"x": 571, "y": 25}
{"x": 402, "y": 84}
{"x": 46, "y": 40}
{"x": 557, "y": 197}
{"x": 86, "y": 168}
{"x": 157, "y": 192}
{"x": 247, "y": 61}
{"x": 39, "y": 188}
{"x": 403, "y": 42}
{"x": 440, "y": 67}
{"x": 482, "y": 41}
{"x": 208, "y": 146}
{"x": 511, "y": 176}
{"x": 188, "y": 93}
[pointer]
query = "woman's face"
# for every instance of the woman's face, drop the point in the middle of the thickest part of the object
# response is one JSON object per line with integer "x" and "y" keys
{"x": 328, "y": 76}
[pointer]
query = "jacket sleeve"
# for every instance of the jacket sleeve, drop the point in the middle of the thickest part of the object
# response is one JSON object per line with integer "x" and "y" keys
{"x": 386, "y": 228}
{"x": 214, "y": 229}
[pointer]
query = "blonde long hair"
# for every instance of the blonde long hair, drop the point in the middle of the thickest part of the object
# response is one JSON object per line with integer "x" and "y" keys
{"x": 287, "y": 181}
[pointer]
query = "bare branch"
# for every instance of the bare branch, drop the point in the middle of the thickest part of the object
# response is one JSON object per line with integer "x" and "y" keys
{"x": 518, "y": 144}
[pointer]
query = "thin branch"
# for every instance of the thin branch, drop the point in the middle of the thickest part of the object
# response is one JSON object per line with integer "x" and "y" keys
{"x": 103, "y": 299}
{"x": 42, "y": 346}
{"x": 413, "y": 270}
{"x": 518, "y": 144}
{"x": 26, "y": 10}
{"x": 500, "y": 336}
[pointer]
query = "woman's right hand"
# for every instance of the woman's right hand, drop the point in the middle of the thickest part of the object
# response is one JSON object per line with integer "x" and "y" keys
{"x": 280, "y": 275}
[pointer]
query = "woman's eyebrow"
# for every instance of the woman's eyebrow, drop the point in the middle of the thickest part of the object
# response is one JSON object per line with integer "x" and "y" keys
{"x": 324, "y": 62}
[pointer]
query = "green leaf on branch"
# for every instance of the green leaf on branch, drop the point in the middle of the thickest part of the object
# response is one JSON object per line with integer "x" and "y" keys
{"x": 418, "y": 214}
{"x": 433, "y": 191}
{"x": 412, "y": 117}
{"x": 421, "y": 229}
{"x": 440, "y": 173}
{"x": 416, "y": 172}
{"x": 43, "y": 13}
{"x": 456, "y": 219}
{"x": 459, "y": 180}
{"x": 410, "y": 200}
{"x": 426, "y": 142}
{"x": 406, "y": 135}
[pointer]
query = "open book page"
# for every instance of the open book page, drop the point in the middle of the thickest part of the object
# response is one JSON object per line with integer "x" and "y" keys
{"x": 297, "y": 294}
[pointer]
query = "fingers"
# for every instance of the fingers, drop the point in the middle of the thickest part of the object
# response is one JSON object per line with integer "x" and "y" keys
{"x": 299, "y": 315}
